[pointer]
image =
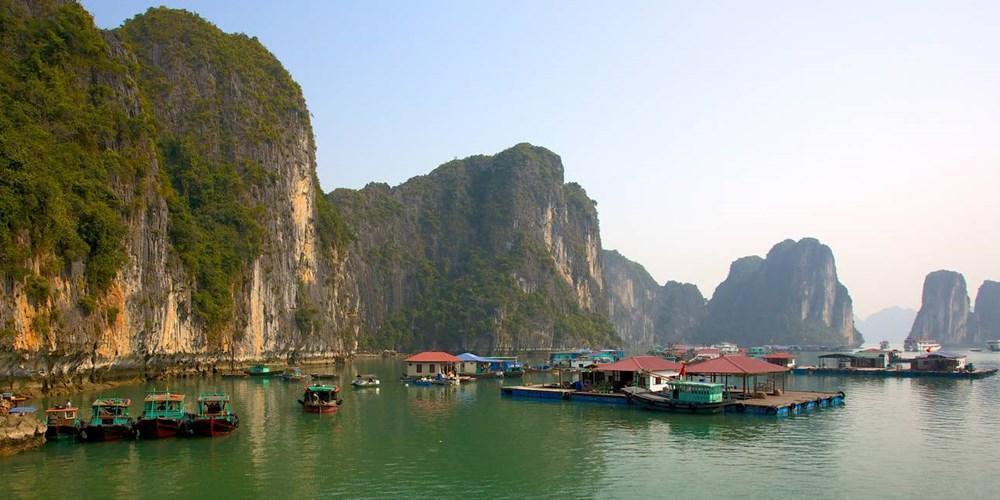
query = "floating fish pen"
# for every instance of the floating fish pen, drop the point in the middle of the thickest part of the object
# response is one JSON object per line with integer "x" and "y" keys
{"x": 780, "y": 404}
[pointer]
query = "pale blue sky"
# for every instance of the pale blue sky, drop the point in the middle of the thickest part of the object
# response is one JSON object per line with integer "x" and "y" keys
{"x": 706, "y": 131}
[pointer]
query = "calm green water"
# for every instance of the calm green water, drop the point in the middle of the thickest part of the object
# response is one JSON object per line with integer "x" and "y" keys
{"x": 916, "y": 438}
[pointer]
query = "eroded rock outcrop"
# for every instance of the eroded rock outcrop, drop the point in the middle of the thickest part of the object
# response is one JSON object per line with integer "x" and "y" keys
{"x": 643, "y": 312}
{"x": 987, "y": 311}
{"x": 792, "y": 296}
{"x": 20, "y": 433}
{"x": 945, "y": 312}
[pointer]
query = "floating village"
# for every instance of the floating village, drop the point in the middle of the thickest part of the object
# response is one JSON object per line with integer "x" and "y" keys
{"x": 718, "y": 379}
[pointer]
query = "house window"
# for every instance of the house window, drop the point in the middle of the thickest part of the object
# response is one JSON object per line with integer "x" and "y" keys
{"x": 658, "y": 381}
{"x": 420, "y": 368}
{"x": 430, "y": 369}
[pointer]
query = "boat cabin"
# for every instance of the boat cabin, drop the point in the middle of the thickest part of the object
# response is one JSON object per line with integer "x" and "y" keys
{"x": 110, "y": 411}
{"x": 939, "y": 362}
{"x": 321, "y": 393}
{"x": 431, "y": 363}
{"x": 61, "y": 416}
{"x": 214, "y": 404}
{"x": 163, "y": 404}
{"x": 684, "y": 391}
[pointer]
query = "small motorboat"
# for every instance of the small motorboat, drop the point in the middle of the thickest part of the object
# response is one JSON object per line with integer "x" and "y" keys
{"x": 215, "y": 415}
{"x": 109, "y": 421}
{"x": 162, "y": 415}
{"x": 293, "y": 374}
{"x": 680, "y": 397}
{"x": 365, "y": 382}
{"x": 261, "y": 371}
{"x": 319, "y": 398}
{"x": 62, "y": 421}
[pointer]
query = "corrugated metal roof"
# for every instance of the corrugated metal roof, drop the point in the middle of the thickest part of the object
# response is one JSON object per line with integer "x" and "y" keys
{"x": 468, "y": 356}
{"x": 735, "y": 365}
{"x": 779, "y": 355}
{"x": 640, "y": 363}
{"x": 433, "y": 357}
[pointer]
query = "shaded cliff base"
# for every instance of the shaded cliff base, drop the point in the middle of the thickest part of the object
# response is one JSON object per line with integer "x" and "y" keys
{"x": 39, "y": 374}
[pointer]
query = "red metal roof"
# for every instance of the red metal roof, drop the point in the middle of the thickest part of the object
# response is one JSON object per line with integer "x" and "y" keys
{"x": 433, "y": 357}
{"x": 779, "y": 355}
{"x": 735, "y": 365}
{"x": 640, "y": 363}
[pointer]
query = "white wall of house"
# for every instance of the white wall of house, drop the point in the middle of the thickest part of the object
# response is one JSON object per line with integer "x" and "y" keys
{"x": 657, "y": 381}
{"x": 424, "y": 369}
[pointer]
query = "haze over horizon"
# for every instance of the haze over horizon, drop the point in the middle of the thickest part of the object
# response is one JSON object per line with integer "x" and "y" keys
{"x": 706, "y": 132}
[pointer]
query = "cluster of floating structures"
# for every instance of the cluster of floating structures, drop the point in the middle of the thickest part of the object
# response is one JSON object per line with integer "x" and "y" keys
{"x": 891, "y": 363}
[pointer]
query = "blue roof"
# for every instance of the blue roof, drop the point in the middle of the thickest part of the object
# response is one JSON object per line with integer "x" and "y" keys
{"x": 468, "y": 356}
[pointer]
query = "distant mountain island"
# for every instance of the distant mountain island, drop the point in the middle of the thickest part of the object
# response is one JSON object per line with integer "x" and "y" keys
{"x": 892, "y": 324}
{"x": 946, "y": 314}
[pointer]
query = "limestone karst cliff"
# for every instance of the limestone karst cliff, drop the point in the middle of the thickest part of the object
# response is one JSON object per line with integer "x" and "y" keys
{"x": 945, "y": 311}
{"x": 488, "y": 253}
{"x": 160, "y": 199}
{"x": 645, "y": 313}
{"x": 987, "y": 311}
{"x": 792, "y": 296}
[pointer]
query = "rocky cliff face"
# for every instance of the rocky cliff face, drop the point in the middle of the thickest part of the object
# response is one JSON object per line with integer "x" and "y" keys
{"x": 792, "y": 296}
{"x": 488, "y": 253}
{"x": 945, "y": 314}
{"x": 987, "y": 311}
{"x": 643, "y": 312}
{"x": 189, "y": 231}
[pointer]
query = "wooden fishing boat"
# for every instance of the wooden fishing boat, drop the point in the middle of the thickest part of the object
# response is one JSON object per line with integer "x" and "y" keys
{"x": 261, "y": 371}
{"x": 679, "y": 397}
{"x": 215, "y": 415}
{"x": 162, "y": 415}
{"x": 293, "y": 374}
{"x": 513, "y": 371}
{"x": 319, "y": 398}
{"x": 109, "y": 421}
{"x": 365, "y": 382}
{"x": 62, "y": 421}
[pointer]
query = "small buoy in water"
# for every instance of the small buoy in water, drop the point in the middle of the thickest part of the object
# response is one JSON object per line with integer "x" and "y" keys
{"x": 406, "y": 385}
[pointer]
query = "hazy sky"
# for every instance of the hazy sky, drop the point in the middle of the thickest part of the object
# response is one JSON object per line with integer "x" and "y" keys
{"x": 706, "y": 131}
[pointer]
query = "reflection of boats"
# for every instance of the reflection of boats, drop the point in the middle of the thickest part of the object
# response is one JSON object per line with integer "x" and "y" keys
{"x": 921, "y": 345}
{"x": 319, "y": 398}
{"x": 261, "y": 371}
{"x": 162, "y": 415}
{"x": 365, "y": 381}
{"x": 293, "y": 373}
{"x": 994, "y": 345}
{"x": 62, "y": 421}
{"x": 538, "y": 368}
{"x": 679, "y": 396}
{"x": 215, "y": 415}
{"x": 323, "y": 376}
{"x": 109, "y": 421}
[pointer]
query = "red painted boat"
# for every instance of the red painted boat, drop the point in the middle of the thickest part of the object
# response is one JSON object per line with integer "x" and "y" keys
{"x": 110, "y": 421}
{"x": 215, "y": 416}
{"x": 163, "y": 415}
{"x": 319, "y": 398}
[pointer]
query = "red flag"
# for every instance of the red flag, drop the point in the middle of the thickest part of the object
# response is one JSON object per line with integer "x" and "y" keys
{"x": 928, "y": 349}
{"x": 684, "y": 370}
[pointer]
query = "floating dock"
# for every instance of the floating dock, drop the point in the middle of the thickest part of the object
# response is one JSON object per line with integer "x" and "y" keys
{"x": 888, "y": 372}
{"x": 788, "y": 403}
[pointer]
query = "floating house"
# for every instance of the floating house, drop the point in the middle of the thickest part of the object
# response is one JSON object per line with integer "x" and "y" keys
{"x": 856, "y": 360}
{"x": 473, "y": 365}
{"x": 780, "y": 358}
{"x": 431, "y": 363}
{"x": 650, "y": 372}
{"x": 727, "y": 348}
{"x": 703, "y": 353}
{"x": 939, "y": 362}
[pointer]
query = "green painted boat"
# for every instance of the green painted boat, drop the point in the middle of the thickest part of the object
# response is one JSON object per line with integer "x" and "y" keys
{"x": 261, "y": 371}
{"x": 215, "y": 415}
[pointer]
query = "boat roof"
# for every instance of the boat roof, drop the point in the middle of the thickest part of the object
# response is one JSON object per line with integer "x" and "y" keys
{"x": 321, "y": 388}
{"x": 433, "y": 357}
{"x": 779, "y": 355}
{"x": 735, "y": 365}
{"x": 213, "y": 396}
{"x": 163, "y": 396}
{"x": 691, "y": 383}
{"x": 61, "y": 409}
{"x": 942, "y": 354}
{"x": 640, "y": 364}
{"x": 468, "y": 356}
{"x": 112, "y": 402}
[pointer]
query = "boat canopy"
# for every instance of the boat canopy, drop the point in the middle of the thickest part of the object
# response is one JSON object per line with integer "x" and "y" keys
{"x": 468, "y": 356}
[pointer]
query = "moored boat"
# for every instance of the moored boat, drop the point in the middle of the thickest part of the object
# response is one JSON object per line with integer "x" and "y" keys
{"x": 62, "y": 421}
{"x": 679, "y": 396}
{"x": 319, "y": 398}
{"x": 293, "y": 374}
{"x": 921, "y": 345}
{"x": 994, "y": 345}
{"x": 162, "y": 415}
{"x": 110, "y": 421}
{"x": 261, "y": 371}
{"x": 365, "y": 381}
{"x": 215, "y": 415}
